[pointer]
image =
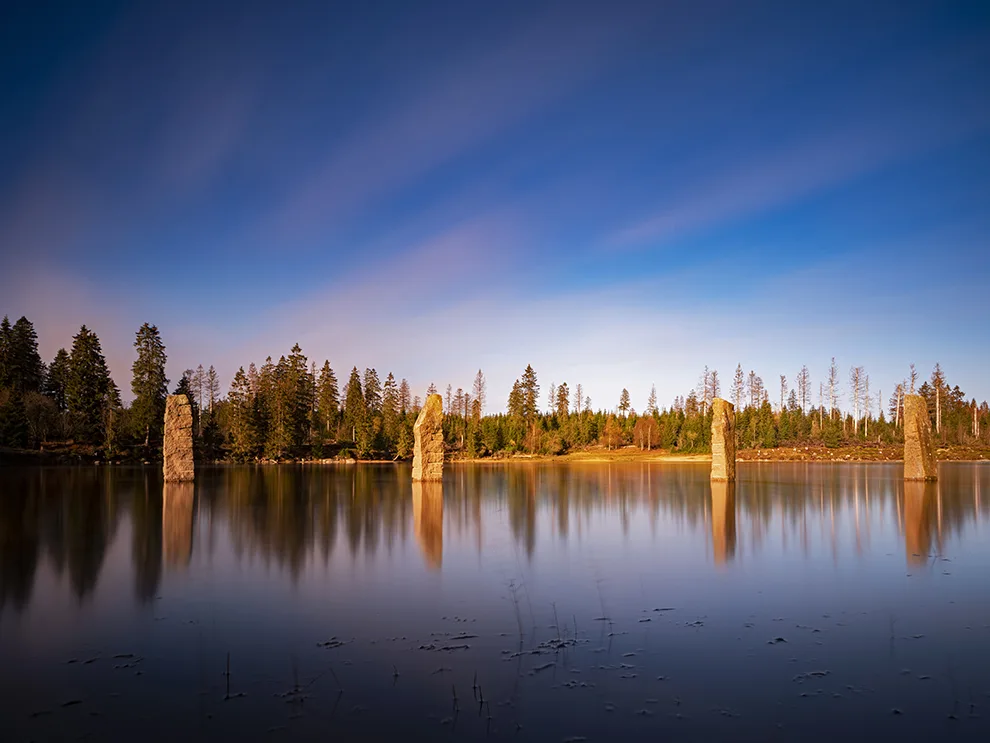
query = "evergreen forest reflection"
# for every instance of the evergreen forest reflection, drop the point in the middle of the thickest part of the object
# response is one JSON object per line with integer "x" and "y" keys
{"x": 290, "y": 516}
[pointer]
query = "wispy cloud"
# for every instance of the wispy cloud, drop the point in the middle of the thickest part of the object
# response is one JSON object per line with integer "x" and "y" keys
{"x": 858, "y": 136}
{"x": 488, "y": 93}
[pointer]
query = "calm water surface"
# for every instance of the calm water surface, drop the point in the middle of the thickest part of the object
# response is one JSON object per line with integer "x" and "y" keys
{"x": 520, "y": 602}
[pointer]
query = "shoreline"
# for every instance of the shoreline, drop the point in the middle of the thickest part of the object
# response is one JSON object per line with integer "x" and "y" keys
{"x": 884, "y": 453}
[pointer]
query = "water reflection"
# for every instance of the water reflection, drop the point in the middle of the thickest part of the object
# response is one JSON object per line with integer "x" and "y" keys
{"x": 177, "y": 522}
{"x": 146, "y": 540}
{"x": 292, "y": 517}
{"x": 427, "y": 503}
{"x": 723, "y": 521}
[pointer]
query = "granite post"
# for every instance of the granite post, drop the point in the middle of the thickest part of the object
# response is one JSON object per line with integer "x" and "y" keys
{"x": 177, "y": 447}
{"x": 428, "y": 441}
{"x": 723, "y": 441}
{"x": 919, "y": 449}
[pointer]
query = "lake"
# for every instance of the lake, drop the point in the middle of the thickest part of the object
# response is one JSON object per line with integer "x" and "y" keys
{"x": 529, "y": 602}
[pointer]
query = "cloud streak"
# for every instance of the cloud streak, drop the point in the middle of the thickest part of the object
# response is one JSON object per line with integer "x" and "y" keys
{"x": 864, "y": 137}
{"x": 487, "y": 94}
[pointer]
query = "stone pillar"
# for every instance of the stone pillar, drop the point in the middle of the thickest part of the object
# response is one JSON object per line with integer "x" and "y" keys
{"x": 428, "y": 444}
{"x": 428, "y": 521}
{"x": 723, "y": 521}
{"x": 178, "y": 445}
{"x": 177, "y": 522}
{"x": 919, "y": 450}
{"x": 723, "y": 440}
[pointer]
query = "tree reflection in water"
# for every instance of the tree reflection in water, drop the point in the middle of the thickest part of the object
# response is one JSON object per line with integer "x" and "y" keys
{"x": 290, "y": 516}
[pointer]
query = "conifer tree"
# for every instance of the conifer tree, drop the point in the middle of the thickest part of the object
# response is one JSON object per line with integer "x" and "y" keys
{"x": 531, "y": 393}
{"x": 516, "y": 405}
{"x": 328, "y": 399}
{"x": 57, "y": 378}
{"x": 297, "y": 392}
{"x": 197, "y": 381}
{"x": 211, "y": 388}
{"x": 563, "y": 400}
{"x": 478, "y": 392}
{"x": 89, "y": 385}
{"x": 651, "y": 403}
{"x": 372, "y": 392}
{"x": 624, "y": 403}
{"x": 738, "y": 387}
{"x": 244, "y": 442}
{"x": 5, "y": 333}
{"x": 804, "y": 388}
{"x": 390, "y": 410}
{"x": 405, "y": 402}
{"x": 23, "y": 369}
{"x": 148, "y": 383}
{"x": 355, "y": 411}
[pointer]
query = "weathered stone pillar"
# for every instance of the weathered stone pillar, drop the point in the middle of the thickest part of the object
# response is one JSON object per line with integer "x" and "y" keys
{"x": 178, "y": 445}
{"x": 723, "y": 521}
{"x": 428, "y": 444}
{"x": 723, "y": 440}
{"x": 177, "y": 522}
{"x": 919, "y": 450}
{"x": 428, "y": 520}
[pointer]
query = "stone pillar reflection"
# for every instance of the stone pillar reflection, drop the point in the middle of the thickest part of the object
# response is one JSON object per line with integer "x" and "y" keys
{"x": 177, "y": 523}
{"x": 428, "y": 520}
{"x": 723, "y": 521}
{"x": 920, "y": 505}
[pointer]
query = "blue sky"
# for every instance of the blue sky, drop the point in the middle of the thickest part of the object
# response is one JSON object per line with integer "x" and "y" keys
{"x": 617, "y": 193}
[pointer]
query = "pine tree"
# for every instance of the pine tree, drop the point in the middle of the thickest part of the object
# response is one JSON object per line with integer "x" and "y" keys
{"x": 211, "y": 388}
{"x": 478, "y": 393}
{"x": 651, "y": 403}
{"x": 198, "y": 382}
{"x": 328, "y": 399}
{"x": 149, "y": 383}
{"x": 24, "y": 370}
{"x": 57, "y": 378}
{"x": 516, "y": 405}
{"x": 244, "y": 442}
{"x": 355, "y": 411}
{"x": 5, "y": 333}
{"x": 89, "y": 386}
{"x": 531, "y": 394}
{"x": 563, "y": 400}
{"x": 738, "y": 387}
{"x": 280, "y": 398}
{"x": 298, "y": 394}
{"x": 390, "y": 410}
{"x": 804, "y": 388}
{"x": 833, "y": 388}
{"x": 405, "y": 402}
{"x": 372, "y": 392}
{"x": 624, "y": 402}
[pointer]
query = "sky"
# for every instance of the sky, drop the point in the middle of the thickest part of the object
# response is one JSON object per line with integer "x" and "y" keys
{"x": 618, "y": 193}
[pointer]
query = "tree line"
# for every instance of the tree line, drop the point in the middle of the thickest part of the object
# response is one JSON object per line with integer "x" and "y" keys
{"x": 293, "y": 408}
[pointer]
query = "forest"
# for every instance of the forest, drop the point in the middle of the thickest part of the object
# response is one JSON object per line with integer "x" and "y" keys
{"x": 294, "y": 409}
